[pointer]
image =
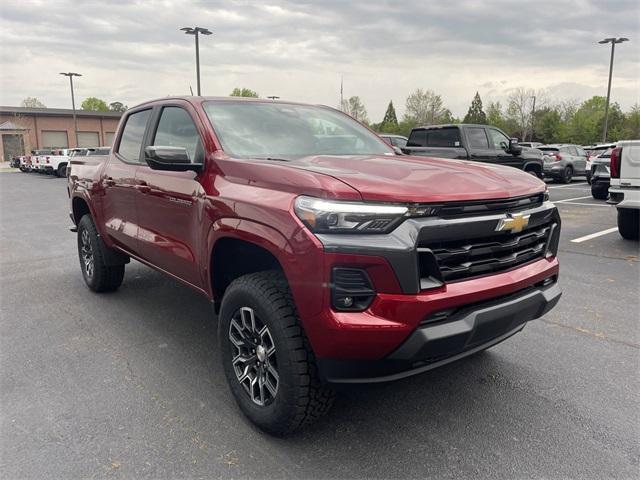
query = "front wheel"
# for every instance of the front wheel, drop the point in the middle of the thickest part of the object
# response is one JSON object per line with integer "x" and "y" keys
{"x": 629, "y": 223}
{"x": 266, "y": 356}
{"x": 98, "y": 276}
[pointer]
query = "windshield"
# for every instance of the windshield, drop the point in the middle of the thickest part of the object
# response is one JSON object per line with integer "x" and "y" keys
{"x": 278, "y": 130}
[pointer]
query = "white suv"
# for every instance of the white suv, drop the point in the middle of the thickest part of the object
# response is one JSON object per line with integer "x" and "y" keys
{"x": 624, "y": 191}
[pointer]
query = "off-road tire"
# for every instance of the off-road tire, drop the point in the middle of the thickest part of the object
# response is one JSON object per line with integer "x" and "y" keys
{"x": 102, "y": 278}
{"x": 61, "y": 171}
{"x": 629, "y": 223}
{"x": 566, "y": 175}
{"x": 301, "y": 396}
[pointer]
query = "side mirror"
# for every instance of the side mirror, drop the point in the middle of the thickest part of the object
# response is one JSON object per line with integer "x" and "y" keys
{"x": 173, "y": 159}
{"x": 514, "y": 147}
{"x": 397, "y": 150}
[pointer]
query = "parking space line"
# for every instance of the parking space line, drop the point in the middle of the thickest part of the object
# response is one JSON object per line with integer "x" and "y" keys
{"x": 582, "y": 189}
{"x": 569, "y": 185}
{"x": 587, "y": 204}
{"x": 594, "y": 235}
{"x": 571, "y": 199}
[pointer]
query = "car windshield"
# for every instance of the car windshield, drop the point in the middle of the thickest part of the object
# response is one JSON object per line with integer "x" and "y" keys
{"x": 286, "y": 131}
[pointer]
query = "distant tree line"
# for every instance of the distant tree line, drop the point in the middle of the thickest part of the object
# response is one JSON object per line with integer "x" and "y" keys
{"x": 564, "y": 122}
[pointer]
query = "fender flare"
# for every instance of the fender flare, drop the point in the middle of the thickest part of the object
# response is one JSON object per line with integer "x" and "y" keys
{"x": 249, "y": 231}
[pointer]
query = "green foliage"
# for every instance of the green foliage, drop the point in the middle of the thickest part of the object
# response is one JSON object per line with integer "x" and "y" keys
{"x": 32, "y": 102}
{"x": 476, "y": 114}
{"x": 631, "y": 129}
{"x": 425, "y": 107}
{"x": 94, "y": 104}
{"x": 117, "y": 107}
{"x": 244, "y": 92}
{"x": 390, "y": 117}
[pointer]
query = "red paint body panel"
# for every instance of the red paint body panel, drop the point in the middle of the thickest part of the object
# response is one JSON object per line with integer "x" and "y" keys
{"x": 172, "y": 221}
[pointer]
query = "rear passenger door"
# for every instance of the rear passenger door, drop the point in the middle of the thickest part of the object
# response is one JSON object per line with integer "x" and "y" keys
{"x": 580, "y": 159}
{"x": 119, "y": 183}
{"x": 170, "y": 203}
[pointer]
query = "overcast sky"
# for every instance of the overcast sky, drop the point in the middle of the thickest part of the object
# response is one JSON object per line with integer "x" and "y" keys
{"x": 133, "y": 51}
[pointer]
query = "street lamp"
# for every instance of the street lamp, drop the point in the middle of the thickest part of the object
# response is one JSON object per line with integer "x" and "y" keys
{"x": 73, "y": 100}
{"x": 195, "y": 31}
{"x": 613, "y": 42}
{"x": 533, "y": 116}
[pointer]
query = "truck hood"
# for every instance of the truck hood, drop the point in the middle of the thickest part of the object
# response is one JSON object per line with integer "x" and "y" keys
{"x": 423, "y": 179}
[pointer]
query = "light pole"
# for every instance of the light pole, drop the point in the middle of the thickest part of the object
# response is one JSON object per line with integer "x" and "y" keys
{"x": 195, "y": 31}
{"x": 533, "y": 116}
{"x": 73, "y": 100}
{"x": 613, "y": 42}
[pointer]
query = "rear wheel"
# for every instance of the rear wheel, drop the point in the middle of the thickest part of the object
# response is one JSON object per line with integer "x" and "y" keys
{"x": 98, "y": 276}
{"x": 61, "y": 171}
{"x": 629, "y": 223}
{"x": 567, "y": 175}
{"x": 266, "y": 356}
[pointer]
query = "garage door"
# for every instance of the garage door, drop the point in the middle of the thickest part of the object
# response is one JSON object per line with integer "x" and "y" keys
{"x": 108, "y": 139}
{"x": 54, "y": 139}
{"x": 88, "y": 139}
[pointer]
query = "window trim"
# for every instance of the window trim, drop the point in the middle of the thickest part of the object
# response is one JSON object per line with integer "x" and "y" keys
{"x": 116, "y": 148}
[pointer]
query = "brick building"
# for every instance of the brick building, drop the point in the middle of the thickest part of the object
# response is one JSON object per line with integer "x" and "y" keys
{"x": 26, "y": 129}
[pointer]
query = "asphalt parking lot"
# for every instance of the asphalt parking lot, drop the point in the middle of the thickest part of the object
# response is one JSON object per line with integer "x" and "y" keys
{"x": 127, "y": 385}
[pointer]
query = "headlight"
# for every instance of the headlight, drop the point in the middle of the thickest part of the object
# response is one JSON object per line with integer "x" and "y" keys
{"x": 545, "y": 195}
{"x": 330, "y": 216}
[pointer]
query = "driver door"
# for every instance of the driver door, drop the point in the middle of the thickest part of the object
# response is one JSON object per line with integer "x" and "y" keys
{"x": 500, "y": 145}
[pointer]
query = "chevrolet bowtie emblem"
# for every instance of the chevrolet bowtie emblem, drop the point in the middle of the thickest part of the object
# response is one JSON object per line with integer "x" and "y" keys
{"x": 513, "y": 223}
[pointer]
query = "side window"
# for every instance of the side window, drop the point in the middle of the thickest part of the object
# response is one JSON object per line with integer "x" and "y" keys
{"x": 417, "y": 138}
{"x": 132, "y": 135}
{"x": 443, "y": 137}
{"x": 400, "y": 142}
{"x": 176, "y": 129}
{"x": 477, "y": 137}
{"x": 499, "y": 139}
{"x": 573, "y": 151}
{"x": 581, "y": 152}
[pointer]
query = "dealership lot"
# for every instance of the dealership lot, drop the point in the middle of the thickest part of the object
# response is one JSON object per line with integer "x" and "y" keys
{"x": 128, "y": 384}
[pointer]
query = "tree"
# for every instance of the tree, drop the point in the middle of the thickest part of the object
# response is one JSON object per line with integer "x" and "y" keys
{"x": 244, "y": 92}
{"x": 519, "y": 109}
{"x": 354, "y": 107}
{"x": 390, "y": 119}
{"x": 117, "y": 107}
{"x": 475, "y": 113}
{"x": 95, "y": 105}
{"x": 632, "y": 123}
{"x": 32, "y": 102}
{"x": 548, "y": 125}
{"x": 426, "y": 108}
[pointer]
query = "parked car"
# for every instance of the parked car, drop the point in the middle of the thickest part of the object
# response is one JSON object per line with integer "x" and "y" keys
{"x": 14, "y": 162}
{"x": 593, "y": 153}
{"x": 39, "y": 159}
{"x": 329, "y": 258}
{"x": 624, "y": 191}
{"x": 600, "y": 180}
{"x": 480, "y": 143}
{"x": 394, "y": 140}
{"x": 563, "y": 162}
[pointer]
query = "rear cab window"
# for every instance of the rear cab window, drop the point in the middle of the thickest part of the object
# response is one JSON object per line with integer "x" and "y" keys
{"x": 133, "y": 135}
{"x": 417, "y": 138}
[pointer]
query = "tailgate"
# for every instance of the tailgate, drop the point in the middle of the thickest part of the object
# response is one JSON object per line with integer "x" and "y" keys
{"x": 630, "y": 164}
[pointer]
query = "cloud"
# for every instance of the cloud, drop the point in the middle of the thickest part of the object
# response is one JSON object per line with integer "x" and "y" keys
{"x": 133, "y": 51}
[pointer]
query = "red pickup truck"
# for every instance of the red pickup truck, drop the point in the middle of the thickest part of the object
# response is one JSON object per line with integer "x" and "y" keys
{"x": 327, "y": 257}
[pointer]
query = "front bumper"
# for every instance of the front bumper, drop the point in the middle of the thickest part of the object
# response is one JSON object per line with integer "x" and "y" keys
{"x": 440, "y": 340}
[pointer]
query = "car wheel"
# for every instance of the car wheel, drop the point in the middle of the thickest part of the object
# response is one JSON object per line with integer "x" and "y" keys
{"x": 266, "y": 356}
{"x": 567, "y": 174}
{"x": 599, "y": 193}
{"x": 61, "y": 171}
{"x": 98, "y": 276}
{"x": 629, "y": 223}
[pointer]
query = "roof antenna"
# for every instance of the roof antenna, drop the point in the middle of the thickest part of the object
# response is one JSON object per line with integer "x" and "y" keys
{"x": 191, "y": 90}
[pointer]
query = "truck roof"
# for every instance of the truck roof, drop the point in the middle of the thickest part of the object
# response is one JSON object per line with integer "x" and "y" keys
{"x": 194, "y": 99}
{"x": 449, "y": 125}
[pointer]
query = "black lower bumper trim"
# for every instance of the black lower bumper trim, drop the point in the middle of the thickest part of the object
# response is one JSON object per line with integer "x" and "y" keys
{"x": 464, "y": 333}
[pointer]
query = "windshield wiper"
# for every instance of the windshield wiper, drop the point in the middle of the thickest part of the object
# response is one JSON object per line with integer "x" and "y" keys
{"x": 272, "y": 159}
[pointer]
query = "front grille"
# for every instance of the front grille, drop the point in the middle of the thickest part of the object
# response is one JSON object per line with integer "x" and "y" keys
{"x": 484, "y": 207}
{"x": 463, "y": 259}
